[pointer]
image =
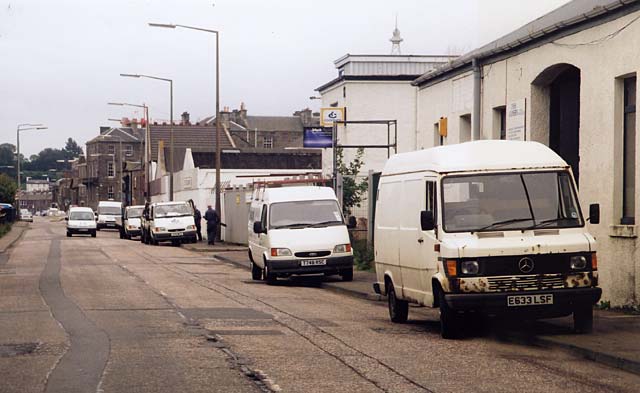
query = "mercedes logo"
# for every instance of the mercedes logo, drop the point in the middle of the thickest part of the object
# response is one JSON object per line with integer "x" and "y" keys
{"x": 526, "y": 265}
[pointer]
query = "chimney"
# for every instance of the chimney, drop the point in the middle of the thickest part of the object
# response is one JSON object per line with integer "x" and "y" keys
{"x": 243, "y": 115}
{"x": 225, "y": 117}
{"x": 306, "y": 116}
{"x": 104, "y": 129}
{"x": 185, "y": 119}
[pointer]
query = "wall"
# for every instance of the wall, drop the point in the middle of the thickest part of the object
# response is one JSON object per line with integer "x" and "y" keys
{"x": 600, "y": 130}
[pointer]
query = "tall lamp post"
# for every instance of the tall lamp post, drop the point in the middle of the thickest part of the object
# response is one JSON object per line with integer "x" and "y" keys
{"x": 147, "y": 144}
{"x": 218, "y": 159}
{"x": 24, "y": 127}
{"x": 170, "y": 121}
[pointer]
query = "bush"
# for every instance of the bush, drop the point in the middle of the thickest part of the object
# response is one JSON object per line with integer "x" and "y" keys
{"x": 363, "y": 255}
{"x": 4, "y": 229}
{"x": 8, "y": 189}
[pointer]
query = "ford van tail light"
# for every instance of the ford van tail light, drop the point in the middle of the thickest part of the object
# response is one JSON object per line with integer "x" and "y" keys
{"x": 280, "y": 252}
{"x": 342, "y": 248}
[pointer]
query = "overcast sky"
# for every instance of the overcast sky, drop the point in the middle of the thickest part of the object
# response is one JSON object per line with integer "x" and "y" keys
{"x": 60, "y": 60}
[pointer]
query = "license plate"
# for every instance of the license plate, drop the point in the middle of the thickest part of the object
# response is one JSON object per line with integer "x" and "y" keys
{"x": 82, "y": 230}
{"x": 313, "y": 262}
{"x": 176, "y": 234}
{"x": 111, "y": 225}
{"x": 529, "y": 300}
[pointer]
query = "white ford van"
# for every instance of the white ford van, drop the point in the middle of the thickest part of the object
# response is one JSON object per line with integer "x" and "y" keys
{"x": 131, "y": 221}
{"x": 81, "y": 220}
{"x": 168, "y": 221}
{"x": 298, "y": 230}
{"x": 109, "y": 215}
{"x": 489, "y": 227}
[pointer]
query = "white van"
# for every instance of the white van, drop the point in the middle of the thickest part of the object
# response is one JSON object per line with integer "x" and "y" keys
{"x": 131, "y": 221}
{"x": 298, "y": 230}
{"x": 168, "y": 221}
{"x": 81, "y": 220}
{"x": 490, "y": 227}
{"x": 109, "y": 214}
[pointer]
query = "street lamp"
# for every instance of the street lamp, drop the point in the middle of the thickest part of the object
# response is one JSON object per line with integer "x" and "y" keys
{"x": 147, "y": 142}
{"x": 218, "y": 159}
{"x": 24, "y": 127}
{"x": 171, "y": 121}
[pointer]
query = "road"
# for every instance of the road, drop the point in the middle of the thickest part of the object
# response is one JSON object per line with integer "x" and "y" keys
{"x": 102, "y": 314}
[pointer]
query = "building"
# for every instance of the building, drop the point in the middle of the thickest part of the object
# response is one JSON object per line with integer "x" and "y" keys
{"x": 113, "y": 168}
{"x": 34, "y": 201}
{"x": 37, "y": 185}
{"x": 568, "y": 80}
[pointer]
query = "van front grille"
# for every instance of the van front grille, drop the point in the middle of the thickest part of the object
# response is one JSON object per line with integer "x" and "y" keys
{"x": 526, "y": 283}
{"x": 312, "y": 254}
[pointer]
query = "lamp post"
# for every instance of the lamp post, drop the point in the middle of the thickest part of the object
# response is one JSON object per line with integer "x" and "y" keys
{"x": 24, "y": 127}
{"x": 170, "y": 129}
{"x": 218, "y": 159}
{"x": 147, "y": 143}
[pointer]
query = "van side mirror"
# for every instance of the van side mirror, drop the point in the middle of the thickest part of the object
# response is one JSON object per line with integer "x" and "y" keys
{"x": 426, "y": 220}
{"x": 594, "y": 213}
{"x": 66, "y": 218}
{"x": 257, "y": 227}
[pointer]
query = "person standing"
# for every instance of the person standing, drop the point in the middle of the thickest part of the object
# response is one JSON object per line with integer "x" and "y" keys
{"x": 212, "y": 224}
{"x": 197, "y": 216}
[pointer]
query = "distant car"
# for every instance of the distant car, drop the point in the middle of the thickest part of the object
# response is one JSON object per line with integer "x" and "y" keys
{"x": 81, "y": 220}
{"x": 52, "y": 212}
{"x": 131, "y": 222}
{"x": 25, "y": 215}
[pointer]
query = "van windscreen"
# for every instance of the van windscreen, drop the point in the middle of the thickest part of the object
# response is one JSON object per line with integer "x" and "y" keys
{"x": 110, "y": 210}
{"x": 305, "y": 214}
{"x": 510, "y": 201}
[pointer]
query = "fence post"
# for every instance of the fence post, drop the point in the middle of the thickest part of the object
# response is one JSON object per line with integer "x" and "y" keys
{"x": 339, "y": 190}
{"x": 371, "y": 208}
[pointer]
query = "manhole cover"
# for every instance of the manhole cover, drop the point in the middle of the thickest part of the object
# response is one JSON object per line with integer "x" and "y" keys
{"x": 224, "y": 313}
{"x": 11, "y": 350}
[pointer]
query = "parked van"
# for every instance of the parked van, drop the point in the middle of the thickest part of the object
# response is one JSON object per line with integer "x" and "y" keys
{"x": 168, "y": 221}
{"x": 298, "y": 230}
{"x": 131, "y": 221}
{"x": 489, "y": 227}
{"x": 81, "y": 220}
{"x": 109, "y": 215}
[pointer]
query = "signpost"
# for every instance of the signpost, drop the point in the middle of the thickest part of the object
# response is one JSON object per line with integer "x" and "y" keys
{"x": 329, "y": 115}
{"x": 516, "y": 120}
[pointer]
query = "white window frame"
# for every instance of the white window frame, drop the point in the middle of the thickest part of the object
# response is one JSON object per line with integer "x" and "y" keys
{"x": 111, "y": 169}
{"x": 267, "y": 142}
{"x": 128, "y": 150}
{"x": 110, "y": 192}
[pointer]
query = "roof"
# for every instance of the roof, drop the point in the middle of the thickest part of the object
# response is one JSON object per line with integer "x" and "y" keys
{"x": 300, "y": 193}
{"x": 474, "y": 156}
{"x": 201, "y": 138}
{"x": 126, "y": 134}
{"x": 562, "y": 21}
{"x": 263, "y": 123}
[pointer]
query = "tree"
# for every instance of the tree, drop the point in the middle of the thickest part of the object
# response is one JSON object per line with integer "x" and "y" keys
{"x": 8, "y": 189}
{"x": 72, "y": 149}
{"x": 353, "y": 191}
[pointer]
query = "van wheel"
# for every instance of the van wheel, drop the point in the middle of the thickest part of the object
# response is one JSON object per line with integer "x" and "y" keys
{"x": 347, "y": 275}
{"x": 256, "y": 272}
{"x": 68, "y": 234}
{"x": 269, "y": 277}
{"x": 583, "y": 320}
{"x": 250, "y": 256}
{"x": 398, "y": 309}
{"x": 449, "y": 320}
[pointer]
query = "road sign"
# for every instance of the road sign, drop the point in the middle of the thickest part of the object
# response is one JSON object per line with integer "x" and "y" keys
{"x": 317, "y": 137}
{"x": 329, "y": 115}
{"x": 516, "y": 120}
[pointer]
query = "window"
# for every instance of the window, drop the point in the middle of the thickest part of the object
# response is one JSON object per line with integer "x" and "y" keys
{"x": 438, "y": 140}
{"x": 267, "y": 142}
{"x": 431, "y": 197}
{"x": 110, "y": 169}
{"x": 629, "y": 152}
{"x": 111, "y": 149}
{"x": 128, "y": 150}
{"x": 500, "y": 122}
{"x": 110, "y": 193}
{"x": 465, "y": 128}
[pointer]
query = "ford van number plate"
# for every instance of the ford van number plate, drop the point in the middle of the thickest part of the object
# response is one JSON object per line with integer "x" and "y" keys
{"x": 529, "y": 300}
{"x": 176, "y": 234}
{"x": 313, "y": 262}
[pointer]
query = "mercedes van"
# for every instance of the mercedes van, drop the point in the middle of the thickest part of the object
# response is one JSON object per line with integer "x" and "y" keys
{"x": 490, "y": 227}
{"x": 109, "y": 215}
{"x": 298, "y": 230}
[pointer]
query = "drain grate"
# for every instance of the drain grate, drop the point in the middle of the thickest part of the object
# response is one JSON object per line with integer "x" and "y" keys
{"x": 225, "y": 313}
{"x": 246, "y": 332}
{"x": 11, "y": 350}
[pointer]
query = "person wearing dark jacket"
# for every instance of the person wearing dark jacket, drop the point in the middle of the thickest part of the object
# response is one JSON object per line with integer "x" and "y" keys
{"x": 213, "y": 219}
{"x": 197, "y": 216}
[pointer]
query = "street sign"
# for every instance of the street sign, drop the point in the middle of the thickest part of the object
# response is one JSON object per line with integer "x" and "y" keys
{"x": 516, "y": 118}
{"x": 329, "y": 115}
{"x": 317, "y": 137}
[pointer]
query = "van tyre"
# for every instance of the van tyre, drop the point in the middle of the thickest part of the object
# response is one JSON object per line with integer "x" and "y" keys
{"x": 398, "y": 309}
{"x": 347, "y": 275}
{"x": 583, "y": 320}
{"x": 449, "y": 320}
{"x": 269, "y": 277}
{"x": 68, "y": 234}
{"x": 93, "y": 234}
{"x": 256, "y": 272}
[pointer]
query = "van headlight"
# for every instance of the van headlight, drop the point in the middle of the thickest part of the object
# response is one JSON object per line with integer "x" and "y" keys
{"x": 578, "y": 262}
{"x": 469, "y": 267}
{"x": 342, "y": 248}
{"x": 280, "y": 252}
{"x": 191, "y": 227}
{"x": 159, "y": 229}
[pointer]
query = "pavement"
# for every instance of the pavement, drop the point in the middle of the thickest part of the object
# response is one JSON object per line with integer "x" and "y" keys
{"x": 614, "y": 342}
{"x": 17, "y": 229}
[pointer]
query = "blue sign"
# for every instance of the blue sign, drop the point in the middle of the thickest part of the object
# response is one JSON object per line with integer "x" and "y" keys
{"x": 317, "y": 137}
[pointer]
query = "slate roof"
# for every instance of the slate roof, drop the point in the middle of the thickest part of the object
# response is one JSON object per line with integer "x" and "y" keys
{"x": 564, "y": 20}
{"x": 113, "y": 135}
{"x": 263, "y": 123}
{"x": 196, "y": 137}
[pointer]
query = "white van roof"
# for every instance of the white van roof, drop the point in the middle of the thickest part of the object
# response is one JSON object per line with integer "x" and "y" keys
{"x": 475, "y": 156}
{"x": 304, "y": 193}
{"x": 109, "y": 203}
{"x": 81, "y": 209}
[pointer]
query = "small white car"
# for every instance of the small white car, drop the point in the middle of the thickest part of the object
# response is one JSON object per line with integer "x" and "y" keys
{"x": 168, "y": 221}
{"x": 109, "y": 215}
{"x": 131, "y": 222}
{"x": 25, "y": 215}
{"x": 81, "y": 220}
{"x": 298, "y": 230}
